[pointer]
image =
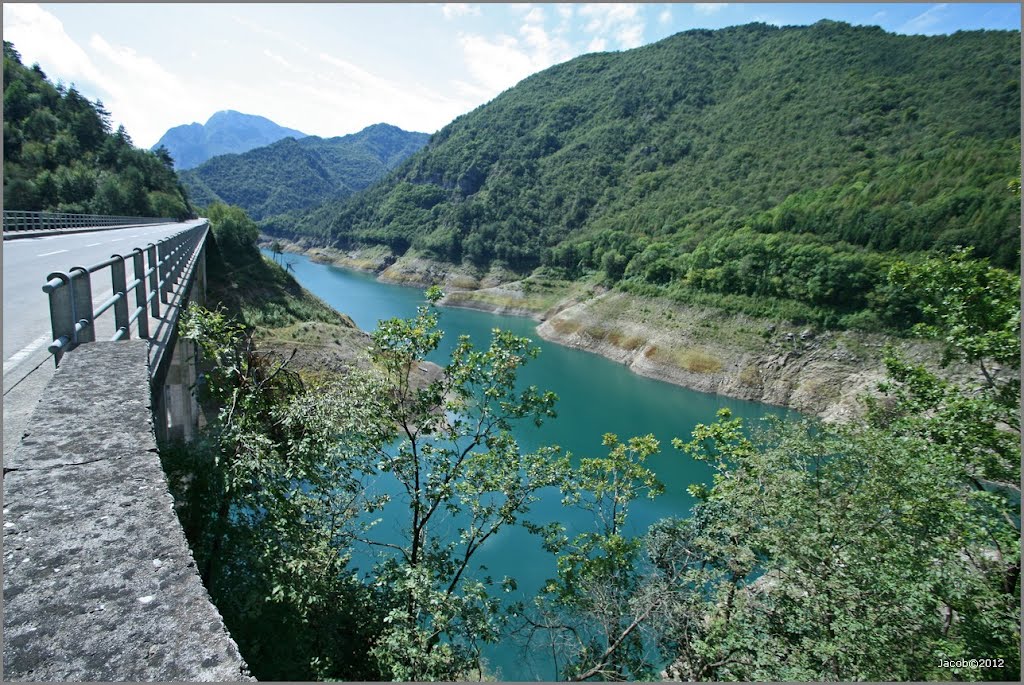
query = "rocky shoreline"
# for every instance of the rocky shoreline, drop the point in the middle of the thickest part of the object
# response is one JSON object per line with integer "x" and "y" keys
{"x": 820, "y": 373}
{"x": 815, "y": 375}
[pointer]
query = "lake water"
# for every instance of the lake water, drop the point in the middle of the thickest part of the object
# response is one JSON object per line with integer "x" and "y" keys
{"x": 596, "y": 396}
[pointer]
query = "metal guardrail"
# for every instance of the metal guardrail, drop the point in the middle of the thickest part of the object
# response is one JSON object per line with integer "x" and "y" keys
{"x": 17, "y": 220}
{"x": 170, "y": 261}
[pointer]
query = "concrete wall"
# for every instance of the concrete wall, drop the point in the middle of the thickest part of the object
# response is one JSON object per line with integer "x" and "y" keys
{"x": 99, "y": 582}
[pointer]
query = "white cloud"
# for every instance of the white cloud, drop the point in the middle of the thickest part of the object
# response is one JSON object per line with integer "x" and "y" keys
{"x": 765, "y": 19}
{"x": 603, "y": 17}
{"x": 665, "y": 17}
{"x": 270, "y": 33}
{"x": 499, "y": 62}
{"x": 358, "y": 78}
{"x": 137, "y": 91}
{"x": 546, "y": 50}
{"x": 279, "y": 59}
{"x": 359, "y": 98}
{"x": 451, "y": 10}
{"x": 140, "y": 66}
{"x": 923, "y": 22}
{"x": 496, "y": 64}
{"x": 882, "y": 14}
{"x": 472, "y": 92}
{"x": 597, "y": 45}
{"x": 144, "y": 96}
{"x": 619, "y": 21}
{"x": 40, "y": 37}
{"x": 709, "y": 7}
{"x": 336, "y": 96}
{"x": 565, "y": 11}
{"x": 631, "y": 36}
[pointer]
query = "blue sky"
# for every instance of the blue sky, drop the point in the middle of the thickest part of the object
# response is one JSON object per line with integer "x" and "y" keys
{"x": 332, "y": 69}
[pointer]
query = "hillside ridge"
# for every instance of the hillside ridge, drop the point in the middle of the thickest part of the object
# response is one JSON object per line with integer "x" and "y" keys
{"x": 292, "y": 175}
{"x": 757, "y": 164}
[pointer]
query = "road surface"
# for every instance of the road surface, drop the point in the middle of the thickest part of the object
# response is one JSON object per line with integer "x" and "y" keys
{"x": 26, "y": 308}
{"x": 27, "y": 261}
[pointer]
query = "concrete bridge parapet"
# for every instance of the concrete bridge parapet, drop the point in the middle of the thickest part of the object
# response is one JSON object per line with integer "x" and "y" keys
{"x": 99, "y": 582}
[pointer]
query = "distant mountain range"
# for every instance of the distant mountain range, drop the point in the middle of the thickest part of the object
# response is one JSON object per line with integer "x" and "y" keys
{"x": 294, "y": 175}
{"x": 224, "y": 133}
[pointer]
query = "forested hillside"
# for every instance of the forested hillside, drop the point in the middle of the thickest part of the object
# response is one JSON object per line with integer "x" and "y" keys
{"x": 293, "y": 175}
{"x": 752, "y": 162}
{"x": 226, "y": 132}
{"x": 59, "y": 154}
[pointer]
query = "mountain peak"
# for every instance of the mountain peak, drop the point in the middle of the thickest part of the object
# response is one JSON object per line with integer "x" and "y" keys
{"x": 226, "y": 131}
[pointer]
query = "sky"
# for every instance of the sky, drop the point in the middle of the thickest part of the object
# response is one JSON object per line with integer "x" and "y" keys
{"x": 333, "y": 69}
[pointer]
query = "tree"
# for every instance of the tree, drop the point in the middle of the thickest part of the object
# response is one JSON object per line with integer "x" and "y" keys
{"x": 277, "y": 249}
{"x": 54, "y": 139}
{"x": 235, "y": 232}
{"x": 884, "y": 550}
{"x": 592, "y": 613}
{"x": 837, "y": 553}
{"x": 455, "y": 461}
{"x": 286, "y": 498}
{"x": 972, "y": 307}
{"x": 270, "y": 517}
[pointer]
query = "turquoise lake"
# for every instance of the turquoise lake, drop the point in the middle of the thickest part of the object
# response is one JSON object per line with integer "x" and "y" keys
{"x": 596, "y": 396}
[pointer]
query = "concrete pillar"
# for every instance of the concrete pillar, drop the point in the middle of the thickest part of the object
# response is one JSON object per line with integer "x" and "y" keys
{"x": 180, "y": 412}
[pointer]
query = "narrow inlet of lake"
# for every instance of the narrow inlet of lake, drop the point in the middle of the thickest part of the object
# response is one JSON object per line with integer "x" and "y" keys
{"x": 595, "y": 396}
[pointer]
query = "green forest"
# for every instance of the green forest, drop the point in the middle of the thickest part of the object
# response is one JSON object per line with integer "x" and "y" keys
{"x": 60, "y": 154}
{"x": 293, "y": 175}
{"x": 779, "y": 171}
{"x": 885, "y": 548}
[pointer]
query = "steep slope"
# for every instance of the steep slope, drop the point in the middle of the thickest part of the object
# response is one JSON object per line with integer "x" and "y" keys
{"x": 224, "y": 133}
{"x": 60, "y": 154}
{"x": 752, "y": 161}
{"x": 293, "y": 175}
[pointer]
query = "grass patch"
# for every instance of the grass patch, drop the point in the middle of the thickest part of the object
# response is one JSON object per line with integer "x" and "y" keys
{"x": 565, "y": 326}
{"x": 462, "y": 281}
{"x": 694, "y": 360}
{"x": 750, "y": 376}
{"x": 623, "y": 341}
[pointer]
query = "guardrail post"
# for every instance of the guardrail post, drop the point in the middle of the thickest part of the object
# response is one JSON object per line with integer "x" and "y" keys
{"x": 162, "y": 269}
{"x": 81, "y": 294}
{"x": 140, "y": 291}
{"x": 117, "y": 282}
{"x": 154, "y": 279}
{"x": 62, "y": 318}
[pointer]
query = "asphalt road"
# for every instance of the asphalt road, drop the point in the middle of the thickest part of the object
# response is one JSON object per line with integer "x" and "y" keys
{"x": 28, "y": 365}
{"x": 27, "y": 261}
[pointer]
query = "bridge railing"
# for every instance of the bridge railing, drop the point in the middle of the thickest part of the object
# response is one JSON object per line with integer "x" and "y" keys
{"x": 17, "y": 220}
{"x": 156, "y": 271}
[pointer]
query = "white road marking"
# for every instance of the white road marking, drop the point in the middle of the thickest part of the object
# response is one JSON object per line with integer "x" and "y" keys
{"x": 47, "y": 254}
{"x": 117, "y": 240}
{"x": 93, "y": 244}
{"x": 24, "y": 353}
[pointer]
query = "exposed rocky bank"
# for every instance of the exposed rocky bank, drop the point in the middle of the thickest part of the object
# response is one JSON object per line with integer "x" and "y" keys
{"x": 823, "y": 373}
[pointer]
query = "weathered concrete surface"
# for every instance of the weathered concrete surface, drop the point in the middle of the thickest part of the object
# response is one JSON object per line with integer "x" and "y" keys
{"x": 99, "y": 582}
